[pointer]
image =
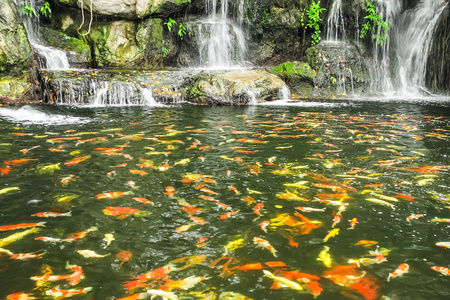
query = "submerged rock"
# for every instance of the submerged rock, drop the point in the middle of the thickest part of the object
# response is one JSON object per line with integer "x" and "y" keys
{"x": 233, "y": 88}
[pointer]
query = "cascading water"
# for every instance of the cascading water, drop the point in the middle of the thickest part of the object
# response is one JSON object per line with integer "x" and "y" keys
{"x": 50, "y": 59}
{"x": 413, "y": 40}
{"x": 335, "y": 22}
{"x": 222, "y": 41}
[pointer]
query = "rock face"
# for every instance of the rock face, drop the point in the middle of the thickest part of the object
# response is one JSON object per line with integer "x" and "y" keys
{"x": 298, "y": 76}
{"x": 130, "y": 9}
{"x": 233, "y": 88}
{"x": 15, "y": 50}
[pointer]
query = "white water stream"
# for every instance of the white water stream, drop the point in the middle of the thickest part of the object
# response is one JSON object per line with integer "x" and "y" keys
{"x": 222, "y": 41}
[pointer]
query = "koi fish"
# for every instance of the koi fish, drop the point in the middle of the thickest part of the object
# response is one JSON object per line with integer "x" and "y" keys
{"x": 76, "y": 160}
{"x": 17, "y": 236}
{"x": 52, "y": 240}
{"x": 182, "y": 162}
{"x": 19, "y": 161}
{"x": 332, "y": 233}
{"x": 124, "y": 256}
{"x": 378, "y": 201}
{"x": 138, "y": 296}
{"x": 366, "y": 243}
{"x": 443, "y": 244}
{"x": 205, "y": 190}
{"x": 283, "y": 281}
{"x": 120, "y": 212}
{"x": 325, "y": 257}
{"x": 20, "y": 296}
{"x": 138, "y": 172}
{"x": 9, "y": 189}
{"x": 108, "y": 239}
{"x": 233, "y": 189}
{"x": 353, "y": 222}
{"x": 184, "y": 284}
{"x": 143, "y": 200}
{"x": 198, "y": 220}
{"x": 55, "y": 292}
{"x": 50, "y": 277}
{"x": 442, "y": 270}
{"x": 67, "y": 179}
{"x": 414, "y": 216}
{"x": 265, "y": 244}
{"x": 264, "y": 225}
{"x": 227, "y": 215}
{"x": 310, "y": 209}
{"x": 233, "y": 245}
{"x": 165, "y": 295}
{"x": 22, "y": 256}
{"x": 21, "y": 226}
{"x": 402, "y": 269}
{"x": 82, "y": 234}
{"x": 91, "y": 254}
{"x": 362, "y": 261}
{"x": 257, "y": 208}
{"x": 440, "y": 220}
{"x": 112, "y": 195}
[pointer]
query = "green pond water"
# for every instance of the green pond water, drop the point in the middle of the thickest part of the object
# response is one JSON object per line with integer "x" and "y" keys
{"x": 383, "y": 161}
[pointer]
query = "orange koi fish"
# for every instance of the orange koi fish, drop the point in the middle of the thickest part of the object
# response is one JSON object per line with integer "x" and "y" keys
{"x": 77, "y": 275}
{"x": 223, "y": 205}
{"x": 138, "y": 172}
{"x": 205, "y": 190}
{"x": 442, "y": 270}
{"x": 332, "y": 187}
{"x": 25, "y": 150}
{"x": 112, "y": 195}
{"x": 55, "y": 292}
{"x": 143, "y": 200}
{"x": 19, "y": 161}
{"x": 257, "y": 208}
{"x": 336, "y": 219}
{"x": 124, "y": 256}
{"x": 20, "y": 296}
{"x": 228, "y": 214}
{"x": 5, "y": 171}
{"x": 121, "y": 165}
{"x": 264, "y": 224}
{"x": 414, "y": 216}
{"x": 265, "y": 244}
{"x": 48, "y": 214}
{"x": 50, "y": 277}
{"x": 138, "y": 296}
{"x": 402, "y": 269}
{"x": 208, "y": 198}
{"x": 245, "y": 151}
{"x": 307, "y": 221}
{"x": 353, "y": 223}
{"x": 120, "y": 212}
{"x": 233, "y": 189}
{"x": 76, "y": 160}
{"x": 82, "y": 234}
{"x": 21, "y": 226}
{"x": 366, "y": 243}
{"x": 67, "y": 179}
{"x": 198, "y": 220}
{"x": 159, "y": 273}
{"x": 23, "y": 256}
{"x": 405, "y": 197}
{"x": 184, "y": 284}
{"x": 170, "y": 191}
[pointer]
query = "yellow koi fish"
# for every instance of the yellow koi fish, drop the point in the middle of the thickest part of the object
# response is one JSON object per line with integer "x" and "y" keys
{"x": 283, "y": 281}
{"x": 332, "y": 233}
{"x": 325, "y": 257}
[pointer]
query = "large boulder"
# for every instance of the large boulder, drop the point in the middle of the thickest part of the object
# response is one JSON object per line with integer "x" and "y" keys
{"x": 298, "y": 76}
{"x": 130, "y": 9}
{"x": 128, "y": 44}
{"x": 233, "y": 88}
{"x": 15, "y": 50}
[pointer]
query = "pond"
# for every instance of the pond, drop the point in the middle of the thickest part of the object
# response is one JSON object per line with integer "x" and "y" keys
{"x": 321, "y": 199}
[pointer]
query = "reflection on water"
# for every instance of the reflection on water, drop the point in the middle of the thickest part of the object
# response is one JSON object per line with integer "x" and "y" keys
{"x": 266, "y": 202}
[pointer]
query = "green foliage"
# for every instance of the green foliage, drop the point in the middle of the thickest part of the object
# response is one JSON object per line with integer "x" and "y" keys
{"x": 264, "y": 17}
{"x": 181, "y": 30}
{"x": 28, "y": 10}
{"x": 373, "y": 21}
{"x": 314, "y": 20}
{"x": 165, "y": 51}
{"x": 170, "y": 24}
{"x": 46, "y": 10}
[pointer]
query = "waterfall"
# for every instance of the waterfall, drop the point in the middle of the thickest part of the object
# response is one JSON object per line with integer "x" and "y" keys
{"x": 222, "y": 41}
{"x": 413, "y": 40}
{"x": 50, "y": 59}
{"x": 335, "y": 22}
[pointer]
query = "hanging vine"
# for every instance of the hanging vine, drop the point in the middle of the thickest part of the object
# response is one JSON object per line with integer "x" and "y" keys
{"x": 82, "y": 19}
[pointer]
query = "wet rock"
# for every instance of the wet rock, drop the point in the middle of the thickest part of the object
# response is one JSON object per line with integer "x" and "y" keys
{"x": 130, "y": 9}
{"x": 233, "y": 88}
{"x": 16, "y": 90}
{"x": 15, "y": 50}
{"x": 298, "y": 76}
{"x": 340, "y": 68}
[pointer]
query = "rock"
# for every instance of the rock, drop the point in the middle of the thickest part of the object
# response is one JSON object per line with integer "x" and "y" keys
{"x": 15, "y": 50}
{"x": 298, "y": 76}
{"x": 16, "y": 90}
{"x": 128, "y": 44}
{"x": 233, "y": 88}
{"x": 130, "y": 9}
{"x": 340, "y": 68}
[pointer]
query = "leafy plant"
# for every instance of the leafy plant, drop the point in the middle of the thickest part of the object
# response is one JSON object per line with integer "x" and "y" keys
{"x": 181, "y": 30}
{"x": 314, "y": 20}
{"x": 264, "y": 17}
{"x": 170, "y": 24}
{"x": 165, "y": 51}
{"x": 46, "y": 10}
{"x": 374, "y": 20}
{"x": 27, "y": 9}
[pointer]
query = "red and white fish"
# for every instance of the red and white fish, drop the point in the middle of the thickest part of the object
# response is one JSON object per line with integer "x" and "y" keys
{"x": 20, "y": 226}
{"x": 402, "y": 269}
{"x": 265, "y": 244}
{"x": 443, "y": 270}
{"x": 55, "y": 292}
